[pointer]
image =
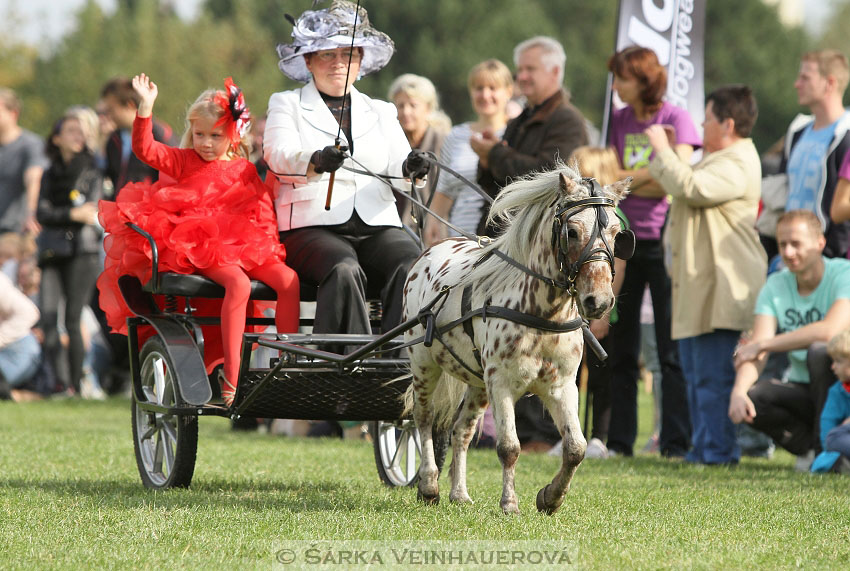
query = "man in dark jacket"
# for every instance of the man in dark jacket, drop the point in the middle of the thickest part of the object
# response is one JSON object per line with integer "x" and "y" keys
{"x": 122, "y": 166}
{"x": 549, "y": 128}
{"x": 121, "y": 101}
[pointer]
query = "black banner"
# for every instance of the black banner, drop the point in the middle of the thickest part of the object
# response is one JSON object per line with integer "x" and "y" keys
{"x": 675, "y": 31}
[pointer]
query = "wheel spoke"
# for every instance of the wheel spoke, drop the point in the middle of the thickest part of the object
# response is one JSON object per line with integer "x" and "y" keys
{"x": 168, "y": 444}
{"x": 150, "y": 394}
{"x": 417, "y": 439}
{"x": 401, "y": 447}
{"x": 148, "y": 433}
{"x": 159, "y": 379}
{"x": 157, "y": 453}
{"x": 170, "y": 429}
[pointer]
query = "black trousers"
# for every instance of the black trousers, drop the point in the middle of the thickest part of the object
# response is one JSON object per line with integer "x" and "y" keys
{"x": 646, "y": 267}
{"x": 790, "y": 412}
{"x": 343, "y": 261}
{"x": 73, "y": 280}
{"x": 599, "y": 389}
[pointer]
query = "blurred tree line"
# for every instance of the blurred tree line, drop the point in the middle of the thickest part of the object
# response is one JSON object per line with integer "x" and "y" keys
{"x": 440, "y": 39}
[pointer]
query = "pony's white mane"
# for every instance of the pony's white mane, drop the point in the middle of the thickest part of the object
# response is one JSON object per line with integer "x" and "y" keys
{"x": 523, "y": 209}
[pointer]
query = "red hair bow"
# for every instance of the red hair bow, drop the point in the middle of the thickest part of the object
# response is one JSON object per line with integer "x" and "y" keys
{"x": 237, "y": 116}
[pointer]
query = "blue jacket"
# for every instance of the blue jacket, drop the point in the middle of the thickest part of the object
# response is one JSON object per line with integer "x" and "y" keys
{"x": 835, "y": 410}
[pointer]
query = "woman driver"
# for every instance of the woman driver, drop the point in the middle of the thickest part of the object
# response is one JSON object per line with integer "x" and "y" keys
{"x": 359, "y": 240}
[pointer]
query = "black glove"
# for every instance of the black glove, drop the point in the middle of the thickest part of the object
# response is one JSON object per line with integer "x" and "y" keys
{"x": 328, "y": 159}
{"x": 416, "y": 165}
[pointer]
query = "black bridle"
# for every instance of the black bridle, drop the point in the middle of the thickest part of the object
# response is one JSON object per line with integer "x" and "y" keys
{"x": 623, "y": 243}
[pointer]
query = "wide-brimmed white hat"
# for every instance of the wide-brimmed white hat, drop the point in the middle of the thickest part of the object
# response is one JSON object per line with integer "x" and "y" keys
{"x": 329, "y": 29}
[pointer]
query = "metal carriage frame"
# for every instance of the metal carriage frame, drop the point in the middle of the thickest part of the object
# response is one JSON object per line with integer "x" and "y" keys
{"x": 171, "y": 388}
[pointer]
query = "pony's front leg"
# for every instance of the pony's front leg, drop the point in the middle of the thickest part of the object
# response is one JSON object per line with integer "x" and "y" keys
{"x": 474, "y": 404}
{"x": 507, "y": 443}
{"x": 423, "y": 415}
{"x": 562, "y": 403}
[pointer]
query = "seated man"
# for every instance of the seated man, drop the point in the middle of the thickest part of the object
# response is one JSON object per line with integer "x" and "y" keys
{"x": 798, "y": 310}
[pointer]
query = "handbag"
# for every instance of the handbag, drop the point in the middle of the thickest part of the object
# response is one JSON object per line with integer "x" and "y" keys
{"x": 774, "y": 196}
{"x": 55, "y": 244}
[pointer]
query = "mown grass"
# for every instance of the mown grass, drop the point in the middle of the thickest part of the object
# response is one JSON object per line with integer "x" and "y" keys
{"x": 70, "y": 497}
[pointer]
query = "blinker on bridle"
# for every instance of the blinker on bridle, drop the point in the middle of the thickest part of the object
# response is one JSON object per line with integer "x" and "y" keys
{"x": 624, "y": 242}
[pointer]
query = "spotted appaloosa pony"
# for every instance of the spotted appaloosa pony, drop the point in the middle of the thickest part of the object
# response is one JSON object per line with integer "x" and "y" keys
{"x": 514, "y": 358}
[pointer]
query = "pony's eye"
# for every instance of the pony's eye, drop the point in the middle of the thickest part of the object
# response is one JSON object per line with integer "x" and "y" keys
{"x": 572, "y": 233}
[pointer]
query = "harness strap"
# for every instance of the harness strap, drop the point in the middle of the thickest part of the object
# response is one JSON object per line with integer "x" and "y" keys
{"x": 531, "y": 320}
{"x": 549, "y": 281}
{"x": 499, "y": 312}
{"x": 466, "y": 308}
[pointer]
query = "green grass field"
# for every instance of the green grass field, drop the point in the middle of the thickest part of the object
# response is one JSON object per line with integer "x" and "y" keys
{"x": 70, "y": 498}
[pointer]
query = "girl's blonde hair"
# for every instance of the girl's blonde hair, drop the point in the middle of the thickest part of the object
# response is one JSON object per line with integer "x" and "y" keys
{"x": 597, "y": 162}
{"x": 206, "y": 107}
{"x": 839, "y": 346}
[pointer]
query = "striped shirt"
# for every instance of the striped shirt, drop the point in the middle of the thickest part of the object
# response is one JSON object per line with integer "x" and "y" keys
{"x": 458, "y": 155}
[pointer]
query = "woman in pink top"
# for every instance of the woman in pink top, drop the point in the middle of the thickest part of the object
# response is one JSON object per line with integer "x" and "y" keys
{"x": 641, "y": 82}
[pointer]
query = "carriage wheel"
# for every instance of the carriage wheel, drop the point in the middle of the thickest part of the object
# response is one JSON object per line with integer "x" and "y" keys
{"x": 398, "y": 451}
{"x": 166, "y": 444}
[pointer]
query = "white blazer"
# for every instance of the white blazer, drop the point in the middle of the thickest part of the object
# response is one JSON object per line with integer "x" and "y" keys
{"x": 300, "y": 123}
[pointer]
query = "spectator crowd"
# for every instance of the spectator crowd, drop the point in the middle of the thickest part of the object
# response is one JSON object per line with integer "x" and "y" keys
{"x": 737, "y": 297}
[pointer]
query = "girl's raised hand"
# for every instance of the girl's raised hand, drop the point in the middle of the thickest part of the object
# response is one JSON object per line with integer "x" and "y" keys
{"x": 148, "y": 91}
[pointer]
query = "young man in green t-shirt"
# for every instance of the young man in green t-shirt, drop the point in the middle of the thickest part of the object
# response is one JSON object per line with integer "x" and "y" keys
{"x": 798, "y": 310}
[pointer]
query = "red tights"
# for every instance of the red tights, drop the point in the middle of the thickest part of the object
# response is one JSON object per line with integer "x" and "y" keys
{"x": 237, "y": 289}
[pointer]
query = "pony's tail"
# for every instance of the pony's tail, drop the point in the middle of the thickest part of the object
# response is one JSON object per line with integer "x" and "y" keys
{"x": 445, "y": 401}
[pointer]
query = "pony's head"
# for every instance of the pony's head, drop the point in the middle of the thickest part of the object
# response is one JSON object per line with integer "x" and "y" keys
{"x": 586, "y": 237}
{"x": 547, "y": 227}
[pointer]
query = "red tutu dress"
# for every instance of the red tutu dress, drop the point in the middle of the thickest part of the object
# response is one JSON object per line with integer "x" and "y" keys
{"x": 211, "y": 213}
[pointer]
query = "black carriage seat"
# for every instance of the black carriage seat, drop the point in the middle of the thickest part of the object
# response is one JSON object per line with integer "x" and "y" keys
{"x": 196, "y": 285}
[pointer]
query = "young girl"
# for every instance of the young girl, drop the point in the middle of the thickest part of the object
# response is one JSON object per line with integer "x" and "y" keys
{"x": 217, "y": 219}
{"x": 600, "y": 163}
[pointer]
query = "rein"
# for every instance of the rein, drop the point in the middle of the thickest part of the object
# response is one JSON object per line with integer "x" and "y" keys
{"x": 564, "y": 211}
{"x": 560, "y": 237}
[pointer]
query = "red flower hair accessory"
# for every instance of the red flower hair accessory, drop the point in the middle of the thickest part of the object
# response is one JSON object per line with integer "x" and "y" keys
{"x": 237, "y": 116}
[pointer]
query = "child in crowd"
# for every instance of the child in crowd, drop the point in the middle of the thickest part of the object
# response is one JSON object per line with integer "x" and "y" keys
{"x": 835, "y": 418}
{"x": 217, "y": 219}
{"x": 600, "y": 163}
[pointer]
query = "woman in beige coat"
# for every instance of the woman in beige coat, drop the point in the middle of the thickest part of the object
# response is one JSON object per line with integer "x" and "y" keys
{"x": 718, "y": 265}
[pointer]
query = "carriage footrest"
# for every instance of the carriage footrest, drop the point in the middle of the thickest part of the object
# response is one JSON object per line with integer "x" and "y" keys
{"x": 362, "y": 393}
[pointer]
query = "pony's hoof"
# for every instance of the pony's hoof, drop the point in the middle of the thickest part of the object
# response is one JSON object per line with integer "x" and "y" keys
{"x": 542, "y": 506}
{"x": 461, "y": 499}
{"x": 427, "y": 500}
{"x": 510, "y": 508}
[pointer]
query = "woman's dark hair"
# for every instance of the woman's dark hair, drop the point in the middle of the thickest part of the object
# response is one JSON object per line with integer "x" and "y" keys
{"x": 50, "y": 148}
{"x": 642, "y": 64}
{"x": 736, "y": 102}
